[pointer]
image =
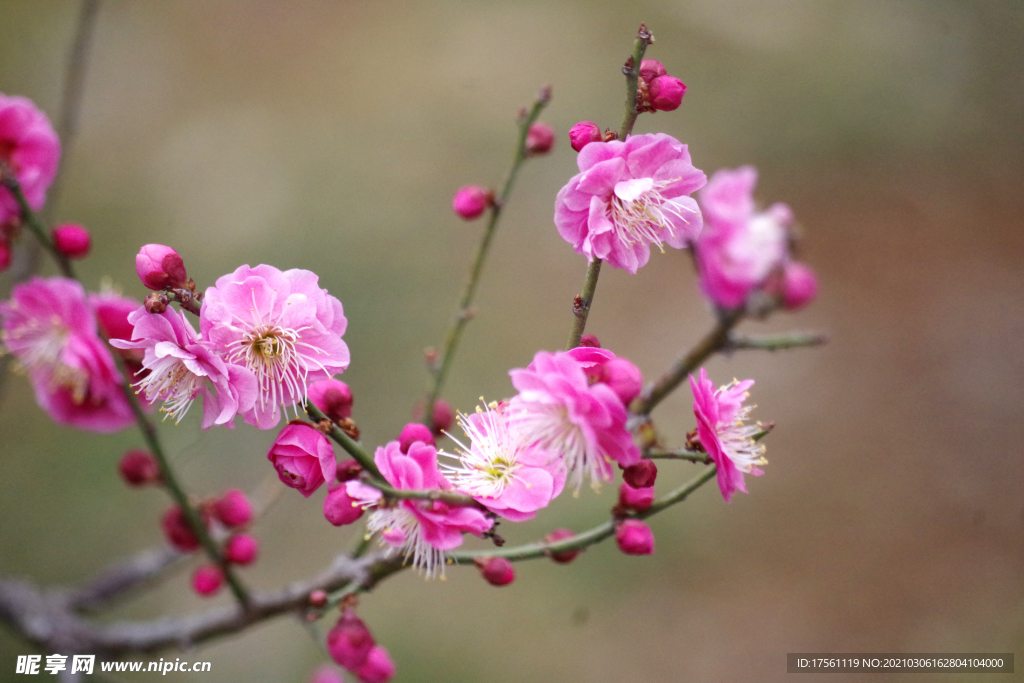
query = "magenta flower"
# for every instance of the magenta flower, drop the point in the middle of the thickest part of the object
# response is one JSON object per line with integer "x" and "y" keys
{"x": 724, "y": 433}
{"x": 280, "y": 326}
{"x": 49, "y": 326}
{"x": 601, "y": 365}
{"x": 507, "y": 475}
{"x": 420, "y": 529}
{"x": 30, "y": 148}
{"x": 182, "y": 367}
{"x": 628, "y": 196}
{"x": 303, "y": 458}
{"x": 559, "y": 410}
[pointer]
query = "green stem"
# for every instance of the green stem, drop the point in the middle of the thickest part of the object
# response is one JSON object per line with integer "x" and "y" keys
{"x": 29, "y": 218}
{"x": 473, "y": 279}
{"x": 581, "y": 307}
{"x": 776, "y": 342}
{"x": 353, "y": 447}
{"x": 679, "y": 454}
{"x": 449, "y": 497}
{"x": 632, "y": 73}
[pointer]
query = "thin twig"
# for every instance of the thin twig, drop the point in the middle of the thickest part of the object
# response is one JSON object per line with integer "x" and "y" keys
{"x": 775, "y": 342}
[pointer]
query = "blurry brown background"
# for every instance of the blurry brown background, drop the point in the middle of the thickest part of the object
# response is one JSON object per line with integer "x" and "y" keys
{"x": 331, "y": 135}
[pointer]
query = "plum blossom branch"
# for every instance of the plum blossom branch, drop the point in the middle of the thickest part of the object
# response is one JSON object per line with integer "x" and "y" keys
{"x": 29, "y": 218}
{"x": 581, "y": 305}
{"x": 473, "y": 279}
{"x": 775, "y": 342}
{"x": 351, "y": 446}
{"x": 449, "y": 497}
{"x": 679, "y": 454}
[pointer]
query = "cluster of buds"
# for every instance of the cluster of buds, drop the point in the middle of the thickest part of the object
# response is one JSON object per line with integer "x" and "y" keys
{"x": 162, "y": 269}
{"x": 352, "y": 646}
{"x": 636, "y": 494}
{"x": 656, "y": 90}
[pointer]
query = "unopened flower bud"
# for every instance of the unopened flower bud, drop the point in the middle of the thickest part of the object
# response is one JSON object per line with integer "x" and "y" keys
{"x": 349, "y": 642}
{"x": 623, "y": 377}
{"x": 332, "y": 397}
{"x": 378, "y": 667}
{"x": 651, "y": 69}
{"x": 799, "y": 285}
{"x": 497, "y": 571}
{"x": 583, "y": 133}
{"x": 590, "y": 340}
{"x": 71, "y": 240}
{"x": 139, "y": 468}
{"x": 233, "y": 509}
{"x": 318, "y": 598}
{"x": 471, "y": 201}
{"x": 155, "y": 303}
{"x": 5, "y": 254}
{"x": 207, "y": 579}
{"x": 348, "y": 469}
{"x": 540, "y": 138}
{"x": 177, "y": 530}
{"x": 666, "y": 93}
{"x": 565, "y": 556}
{"x": 241, "y": 549}
{"x": 160, "y": 267}
{"x": 413, "y": 432}
{"x": 637, "y": 499}
{"x": 443, "y": 417}
{"x": 634, "y": 538}
{"x": 640, "y": 475}
{"x": 340, "y": 508}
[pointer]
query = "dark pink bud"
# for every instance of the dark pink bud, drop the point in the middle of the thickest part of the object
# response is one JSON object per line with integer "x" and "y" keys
{"x": 160, "y": 267}
{"x": 666, "y": 93}
{"x": 651, "y": 69}
{"x": 540, "y": 138}
{"x": 590, "y": 341}
{"x": 241, "y": 549}
{"x": 139, "y": 468}
{"x": 303, "y": 458}
{"x": 583, "y": 133}
{"x": 71, "y": 240}
{"x": 443, "y": 417}
{"x": 332, "y": 397}
{"x": 207, "y": 579}
{"x": 233, "y": 509}
{"x": 349, "y": 642}
{"x": 623, "y": 377}
{"x": 638, "y": 499}
{"x": 378, "y": 667}
{"x": 635, "y": 538}
{"x": 340, "y": 508}
{"x": 413, "y": 432}
{"x": 318, "y": 598}
{"x": 5, "y": 254}
{"x": 471, "y": 201}
{"x": 799, "y": 285}
{"x": 177, "y": 530}
{"x": 348, "y": 469}
{"x": 566, "y": 556}
{"x": 641, "y": 475}
{"x": 497, "y": 571}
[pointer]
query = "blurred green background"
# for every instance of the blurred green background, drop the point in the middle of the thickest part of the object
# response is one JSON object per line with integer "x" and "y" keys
{"x": 331, "y": 135}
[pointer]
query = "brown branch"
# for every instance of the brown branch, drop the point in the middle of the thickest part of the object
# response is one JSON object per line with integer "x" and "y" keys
{"x": 118, "y": 579}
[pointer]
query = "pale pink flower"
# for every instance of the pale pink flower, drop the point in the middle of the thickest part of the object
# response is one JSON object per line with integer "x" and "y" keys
{"x": 559, "y": 410}
{"x": 182, "y": 367}
{"x": 49, "y": 326}
{"x": 30, "y": 148}
{"x": 724, "y": 433}
{"x": 740, "y": 248}
{"x": 628, "y": 196}
{"x": 421, "y": 530}
{"x": 507, "y": 475}
{"x": 280, "y": 326}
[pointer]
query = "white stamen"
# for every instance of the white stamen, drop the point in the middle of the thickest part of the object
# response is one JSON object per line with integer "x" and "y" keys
{"x": 640, "y": 213}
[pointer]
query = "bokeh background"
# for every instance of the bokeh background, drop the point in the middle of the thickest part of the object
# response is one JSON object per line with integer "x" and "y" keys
{"x": 331, "y": 135}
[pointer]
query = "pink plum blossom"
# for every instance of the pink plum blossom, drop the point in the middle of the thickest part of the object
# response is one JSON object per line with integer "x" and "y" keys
{"x": 601, "y": 365}
{"x": 160, "y": 267}
{"x": 340, "y": 508}
{"x": 303, "y": 458}
{"x": 420, "y": 529}
{"x": 30, "y": 148}
{"x": 49, "y": 326}
{"x": 279, "y": 326}
{"x": 182, "y": 367}
{"x": 628, "y": 196}
{"x": 724, "y": 433}
{"x": 505, "y": 474}
{"x": 332, "y": 397}
{"x": 558, "y": 409}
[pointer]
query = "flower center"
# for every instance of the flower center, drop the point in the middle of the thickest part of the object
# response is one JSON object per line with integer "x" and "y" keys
{"x": 271, "y": 353}
{"x": 173, "y": 383}
{"x": 640, "y": 213}
{"x": 489, "y": 464}
{"x": 39, "y": 346}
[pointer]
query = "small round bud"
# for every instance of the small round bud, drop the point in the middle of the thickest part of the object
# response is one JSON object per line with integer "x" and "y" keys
{"x": 638, "y": 499}
{"x": 540, "y": 138}
{"x": 651, "y": 69}
{"x": 799, "y": 285}
{"x": 340, "y": 508}
{"x": 413, "y": 432}
{"x": 332, "y": 397}
{"x": 6, "y": 254}
{"x": 242, "y": 549}
{"x": 583, "y": 133}
{"x": 139, "y": 468}
{"x": 443, "y": 417}
{"x": 378, "y": 667}
{"x": 471, "y": 201}
{"x": 207, "y": 580}
{"x": 635, "y": 538}
{"x": 590, "y": 341}
{"x": 177, "y": 530}
{"x": 566, "y": 556}
{"x": 497, "y": 571}
{"x": 349, "y": 642}
{"x": 641, "y": 475}
{"x": 71, "y": 240}
{"x": 233, "y": 509}
{"x": 348, "y": 469}
{"x": 160, "y": 267}
{"x": 318, "y": 598}
{"x": 666, "y": 93}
